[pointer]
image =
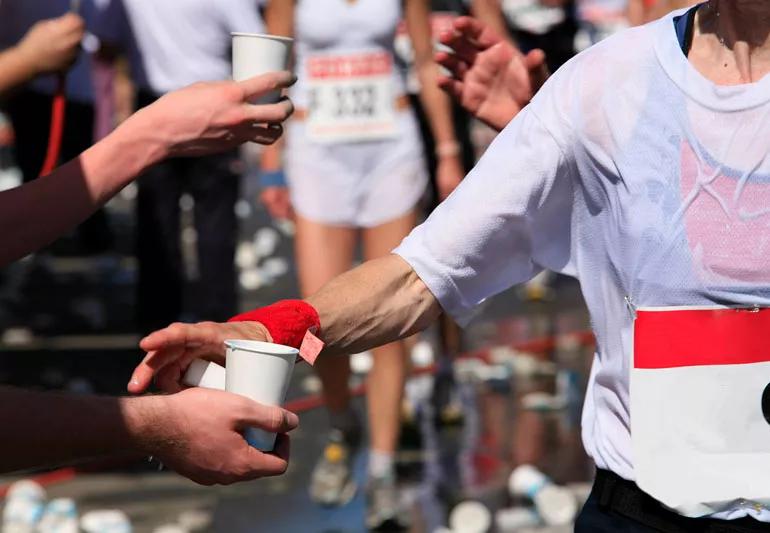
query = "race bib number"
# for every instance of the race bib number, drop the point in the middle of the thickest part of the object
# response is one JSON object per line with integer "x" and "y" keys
{"x": 352, "y": 97}
{"x": 700, "y": 407}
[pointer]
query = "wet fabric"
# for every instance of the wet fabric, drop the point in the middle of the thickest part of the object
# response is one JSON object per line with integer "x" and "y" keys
{"x": 637, "y": 175}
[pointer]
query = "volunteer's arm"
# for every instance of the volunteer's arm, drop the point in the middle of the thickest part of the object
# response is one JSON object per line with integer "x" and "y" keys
{"x": 490, "y": 77}
{"x": 197, "y": 432}
{"x": 200, "y": 119}
{"x": 49, "y": 46}
{"x": 449, "y": 170}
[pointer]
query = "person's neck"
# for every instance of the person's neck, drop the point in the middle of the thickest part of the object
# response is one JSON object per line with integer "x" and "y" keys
{"x": 735, "y": 34}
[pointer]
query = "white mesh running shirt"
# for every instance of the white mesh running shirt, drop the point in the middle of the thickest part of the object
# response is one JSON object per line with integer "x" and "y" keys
{"x": 650, "y": 184}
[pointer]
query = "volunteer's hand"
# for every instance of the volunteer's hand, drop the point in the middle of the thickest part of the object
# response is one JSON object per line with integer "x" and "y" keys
{"x": 171, "y": 350}
{"x": 53, "y": 45}
{"x": 449, "y": 174}
{"x": 491, "y": 78}
{"x": 198, "y": 433}
{"x": 211, "y": 117}
{"x": 277, "y": 202}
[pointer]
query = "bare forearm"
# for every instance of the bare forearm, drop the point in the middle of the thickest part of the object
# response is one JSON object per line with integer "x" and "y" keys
{"x": 379, "y": 302}
{"x": 38, "y": 212}
{"x": 48, "y": 429}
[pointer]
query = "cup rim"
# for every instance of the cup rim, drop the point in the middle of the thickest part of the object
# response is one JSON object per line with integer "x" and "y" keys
{"x": 266, "y": 348}
{"x": 262, "y": 36}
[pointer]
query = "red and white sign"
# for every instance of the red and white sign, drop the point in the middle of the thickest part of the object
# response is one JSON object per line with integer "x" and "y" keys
{"x": 699, "y": 407}
{"x": 352, "y": 97}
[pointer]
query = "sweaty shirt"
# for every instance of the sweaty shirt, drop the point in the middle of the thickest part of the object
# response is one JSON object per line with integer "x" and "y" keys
{"x": 638, "y": 176}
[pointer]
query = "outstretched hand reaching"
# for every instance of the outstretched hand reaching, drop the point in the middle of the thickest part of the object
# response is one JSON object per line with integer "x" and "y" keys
{"x": 490, "y": 77}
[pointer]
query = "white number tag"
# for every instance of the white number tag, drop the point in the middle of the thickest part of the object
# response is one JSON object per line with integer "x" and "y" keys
{"x": 352, "y": 97}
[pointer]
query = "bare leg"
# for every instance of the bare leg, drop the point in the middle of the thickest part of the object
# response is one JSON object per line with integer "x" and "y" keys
{"x": 323, "y": 252}
{"x": 388, "y": 375}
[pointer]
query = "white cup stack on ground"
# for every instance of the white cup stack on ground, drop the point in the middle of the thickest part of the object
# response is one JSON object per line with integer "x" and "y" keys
{"x": 256, "y": 54}
{"x": 261, "y": 371}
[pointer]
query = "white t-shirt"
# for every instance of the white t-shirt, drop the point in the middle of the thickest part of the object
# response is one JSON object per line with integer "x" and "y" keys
{"x": 18, "y": 16}
{"x": 172, "y": 44}
{"x": 637, "y": 175}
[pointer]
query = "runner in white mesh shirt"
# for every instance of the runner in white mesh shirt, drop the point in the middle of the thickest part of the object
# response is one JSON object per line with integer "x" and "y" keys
{"x": 641, "y": 167}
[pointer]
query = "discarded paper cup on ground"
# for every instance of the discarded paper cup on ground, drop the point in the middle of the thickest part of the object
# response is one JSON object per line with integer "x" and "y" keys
{"x": 206, "y": 374}
{"x": 261, "y": 371}
{"x": 255, "y": 54}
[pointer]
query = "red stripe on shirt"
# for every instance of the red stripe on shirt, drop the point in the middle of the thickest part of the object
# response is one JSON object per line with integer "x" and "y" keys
{"x": 671, "y": 339}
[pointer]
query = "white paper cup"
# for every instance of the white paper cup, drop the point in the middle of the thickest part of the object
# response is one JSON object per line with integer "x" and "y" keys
{"x": 260, "y": 371}
{"x": 205, "y": 374}
{"x": 255, "y": 54}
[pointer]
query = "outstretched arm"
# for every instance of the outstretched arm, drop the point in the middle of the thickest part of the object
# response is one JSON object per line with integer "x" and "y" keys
{"x": 200, "y": 119}
{"x": 376, "y": 303}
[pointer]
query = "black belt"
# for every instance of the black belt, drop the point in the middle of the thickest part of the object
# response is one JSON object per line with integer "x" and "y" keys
{"x": 625, "y": 498}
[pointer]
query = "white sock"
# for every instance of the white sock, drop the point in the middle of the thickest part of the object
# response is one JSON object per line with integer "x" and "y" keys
{"x": 381, "y": 464}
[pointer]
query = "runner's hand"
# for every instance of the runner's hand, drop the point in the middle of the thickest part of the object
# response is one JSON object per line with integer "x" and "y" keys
{"x": 198, "y": 433}
{"x": 211, "y": 117}
{"x": 53, "y": 45}
{"x": 491, "y": 78}
{"x": 277, "y": 202}
{"x": 171, "y": 350}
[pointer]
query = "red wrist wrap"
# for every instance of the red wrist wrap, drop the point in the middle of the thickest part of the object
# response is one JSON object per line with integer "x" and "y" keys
{"x": 287, "y": 321}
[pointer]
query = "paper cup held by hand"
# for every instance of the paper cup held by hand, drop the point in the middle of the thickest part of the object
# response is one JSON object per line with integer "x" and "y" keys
{"x": 256, "y": 54}
{"x": 202, "y": 373}
{"x": 261, "y": 371}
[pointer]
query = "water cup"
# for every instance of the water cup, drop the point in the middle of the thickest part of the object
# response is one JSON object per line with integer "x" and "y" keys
{"x": 260, "y": 371}
{"x": 256, "y": 54}
{"x": 205, "y": 374}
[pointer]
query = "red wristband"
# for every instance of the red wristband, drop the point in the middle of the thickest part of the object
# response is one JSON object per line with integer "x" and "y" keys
{"x": 287, "y": 321}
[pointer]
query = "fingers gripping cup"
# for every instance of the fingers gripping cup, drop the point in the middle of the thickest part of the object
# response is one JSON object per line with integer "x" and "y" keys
{"x": 255, "y": 54}
{"x": 261, "y": 371}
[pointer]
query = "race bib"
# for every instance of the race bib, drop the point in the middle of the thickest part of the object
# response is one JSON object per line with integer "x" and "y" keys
{"x": 700, "y": 408}
{"x": 352, "y": 97}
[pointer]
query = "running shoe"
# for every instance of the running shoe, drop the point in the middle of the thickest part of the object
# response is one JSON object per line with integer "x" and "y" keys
{"x": 383, "y": 508}
{"x": 332, "y": 483}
